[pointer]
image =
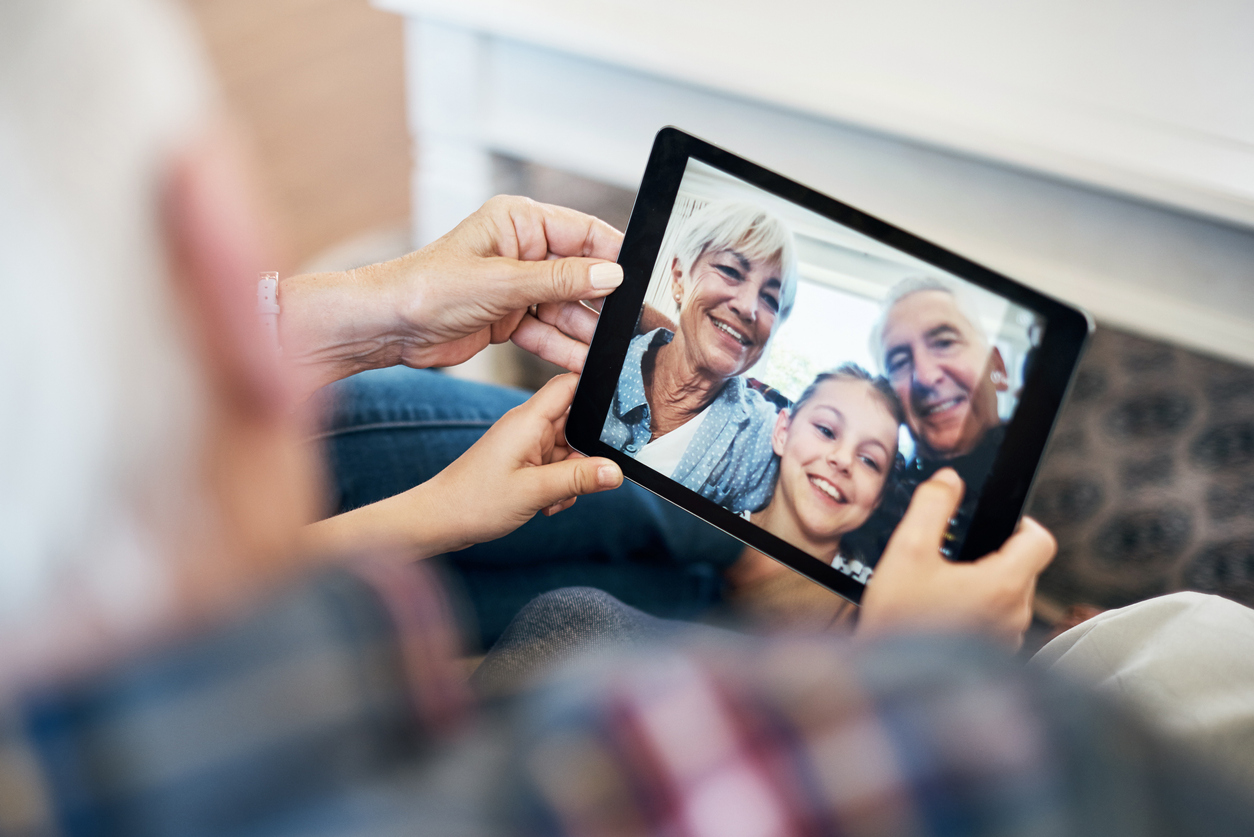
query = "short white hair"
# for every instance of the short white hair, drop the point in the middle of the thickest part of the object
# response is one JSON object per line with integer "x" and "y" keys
{"x": 751, "y": 230}
{"x": 99, "y": 417}
{"x": 919, "y": 284}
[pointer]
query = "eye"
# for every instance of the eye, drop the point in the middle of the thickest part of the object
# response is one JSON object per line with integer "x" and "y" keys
{"x": 730, "y": 272}
{"x": 771, "y": 302}
{"x": 897, "y": 362}
{"x": 825, "y": 431}
{"x": 871, "y": 463}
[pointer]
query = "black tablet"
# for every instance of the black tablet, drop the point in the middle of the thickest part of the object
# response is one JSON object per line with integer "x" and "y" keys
{"x": 790, "y": 369}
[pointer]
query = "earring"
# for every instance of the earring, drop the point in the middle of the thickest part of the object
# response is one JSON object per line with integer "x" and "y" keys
{"x": 998, "y": 377}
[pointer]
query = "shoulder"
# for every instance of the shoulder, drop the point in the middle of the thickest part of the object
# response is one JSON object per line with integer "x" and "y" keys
{"x": 631, "y": 378}
{"x": 641, "y": 345}
{"x": 651, "y": 339}
{"x": 755, "y": 406}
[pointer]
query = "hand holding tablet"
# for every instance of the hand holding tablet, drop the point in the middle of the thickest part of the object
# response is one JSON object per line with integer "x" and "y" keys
{"x": 791, "y": 369}
{"x": 916, "y": 588}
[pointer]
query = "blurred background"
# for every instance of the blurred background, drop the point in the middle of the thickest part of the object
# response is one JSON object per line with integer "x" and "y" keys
{"x": 321, "y": 85}
{"x": 1102, "y": 151}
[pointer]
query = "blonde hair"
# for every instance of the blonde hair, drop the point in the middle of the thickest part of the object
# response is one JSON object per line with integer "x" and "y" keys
{"x": 750, "y": 230}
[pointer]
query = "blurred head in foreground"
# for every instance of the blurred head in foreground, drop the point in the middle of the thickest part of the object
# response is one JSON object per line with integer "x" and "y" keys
{"x": 148, "y": 457}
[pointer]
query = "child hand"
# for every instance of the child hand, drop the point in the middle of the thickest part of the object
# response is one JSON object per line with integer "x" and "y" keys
{"x": 914, "y": 587}
{"x": 522, "y": 465}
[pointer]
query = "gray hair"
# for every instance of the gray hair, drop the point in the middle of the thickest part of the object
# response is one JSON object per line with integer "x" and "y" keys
{"x": 918, "y": 284}
{"x": 758, "y": 234}
{"x": 101, "y": 395}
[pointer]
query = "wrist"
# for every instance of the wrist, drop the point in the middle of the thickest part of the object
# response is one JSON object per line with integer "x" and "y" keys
{"x": 333, "y": 325}
{"x": 444, "y": 523}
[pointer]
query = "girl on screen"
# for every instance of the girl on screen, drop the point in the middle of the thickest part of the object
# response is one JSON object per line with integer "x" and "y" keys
{"x": 836, "y": 451}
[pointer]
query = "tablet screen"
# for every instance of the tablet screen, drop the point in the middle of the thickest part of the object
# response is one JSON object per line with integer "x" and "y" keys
{"x": 807, "y": 377}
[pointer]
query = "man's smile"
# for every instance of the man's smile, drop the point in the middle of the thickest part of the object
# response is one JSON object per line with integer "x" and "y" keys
{"x": 927, "y": 409}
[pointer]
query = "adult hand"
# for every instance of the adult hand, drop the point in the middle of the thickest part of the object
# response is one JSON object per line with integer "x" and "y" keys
{"x": 440, "y": 305}
{"x": 522, "y": 465}
{"x": 914, "y": 587}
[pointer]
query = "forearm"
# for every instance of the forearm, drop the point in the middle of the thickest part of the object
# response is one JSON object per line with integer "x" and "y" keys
{"x": 334, "y": 325}
{"x": 414, "y": 523}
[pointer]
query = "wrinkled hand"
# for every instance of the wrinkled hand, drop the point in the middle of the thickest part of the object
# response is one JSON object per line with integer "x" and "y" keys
{"x": 522, "y": 465}
{"x": 914, "y": 587}
{"x": 475, "y": 285}
{"x": 441, "y": 305}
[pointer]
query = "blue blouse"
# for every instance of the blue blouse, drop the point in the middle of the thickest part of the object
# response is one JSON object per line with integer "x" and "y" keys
{"x": 729, "y": 461}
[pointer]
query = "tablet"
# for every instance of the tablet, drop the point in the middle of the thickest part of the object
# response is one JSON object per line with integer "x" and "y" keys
{"x": 790, "y": 368}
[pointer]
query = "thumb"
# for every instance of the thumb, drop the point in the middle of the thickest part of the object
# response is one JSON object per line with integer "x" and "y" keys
{"x": 925, "y": 521}
{"x": 1031, "y": 548}
{"x": 553, "y": 399}
{"x": 560, "y": 280}
{"x": 558, "y": 481}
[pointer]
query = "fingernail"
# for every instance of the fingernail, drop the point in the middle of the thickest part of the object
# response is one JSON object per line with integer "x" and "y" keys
{"x": 607, "y": 475}
{"x": 605, "y": 275}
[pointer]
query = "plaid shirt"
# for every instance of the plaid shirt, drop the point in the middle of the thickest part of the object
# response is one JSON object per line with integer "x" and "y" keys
{"x": 319, "y": 714}
{"x": 805, "y": 737}
{"x": 335, "y": 682}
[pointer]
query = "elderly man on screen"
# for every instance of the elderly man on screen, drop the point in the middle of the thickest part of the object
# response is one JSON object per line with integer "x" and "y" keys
{"x": 681, "y": 406}
{"x": 947, "y": 375}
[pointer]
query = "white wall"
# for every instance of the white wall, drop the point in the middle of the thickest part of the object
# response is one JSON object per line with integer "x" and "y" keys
{"x": 1101, "y": 151}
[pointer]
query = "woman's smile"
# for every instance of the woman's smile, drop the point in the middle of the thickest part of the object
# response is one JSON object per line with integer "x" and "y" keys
{"x": 730, "y": 330}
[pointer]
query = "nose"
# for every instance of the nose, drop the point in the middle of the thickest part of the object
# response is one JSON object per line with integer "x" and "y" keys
{"x": 927, "y": 372}
{"x": 745, "y": 302}
{"x": 841, "y": 455}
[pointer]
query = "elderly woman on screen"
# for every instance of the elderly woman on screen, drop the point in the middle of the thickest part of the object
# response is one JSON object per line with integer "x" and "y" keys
{"x": 681, "y": 406}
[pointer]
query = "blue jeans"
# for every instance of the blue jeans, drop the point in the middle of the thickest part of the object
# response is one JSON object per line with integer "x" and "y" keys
{"x": 391, "y": 429}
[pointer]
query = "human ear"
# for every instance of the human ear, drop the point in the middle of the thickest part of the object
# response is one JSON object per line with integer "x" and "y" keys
{"x": 218, "y": 244}
{"x": 997, "y": 371}
{"x": 677, "y": 283}
{"x": 779, "y": 435}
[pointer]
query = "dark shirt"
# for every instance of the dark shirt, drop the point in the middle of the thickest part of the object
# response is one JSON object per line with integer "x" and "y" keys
{"x": 868, "y": 542}
{"x": 974, "y": 468}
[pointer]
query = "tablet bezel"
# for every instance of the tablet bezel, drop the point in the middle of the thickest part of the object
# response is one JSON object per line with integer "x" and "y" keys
{"x": 1007, "y": 488}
